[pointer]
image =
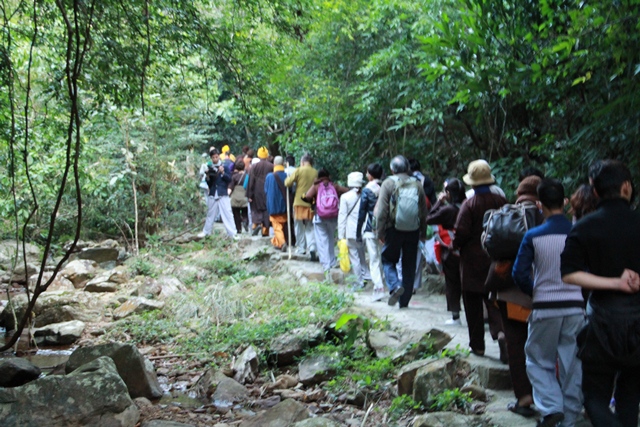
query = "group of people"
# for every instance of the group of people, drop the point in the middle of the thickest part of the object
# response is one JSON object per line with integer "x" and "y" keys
{"x": 563, "y": 352}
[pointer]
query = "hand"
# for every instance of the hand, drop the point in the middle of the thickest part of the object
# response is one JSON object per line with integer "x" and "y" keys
{"x": 442, "y": 196}
{"x": 381, "y": 241}
{"x": 221, "y": 169}
{"x": 629, "y": 281}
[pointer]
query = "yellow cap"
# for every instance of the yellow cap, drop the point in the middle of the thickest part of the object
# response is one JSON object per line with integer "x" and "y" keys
{"x": 225, "y": 149}
{"x": 263, "y": 153}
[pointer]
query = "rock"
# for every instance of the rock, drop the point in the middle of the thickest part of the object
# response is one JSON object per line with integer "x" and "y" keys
{"x": 432, "y": 379}
{"x": 284, "y": 414}
{"x": 142, "y": 402}
{"x": 315, "y": 369}
{"x": 164, "y": 423}
{"x": 20, "y": 275}
{"x": 316, "y": 422}
{"x": 16, "y": 371}
{"x": 11, "y": 251}
{"x": 246, "y": 366}
{"x": 490, "y": 373}
{"x": 407, "y": 375}
{"x": 80, "y": 245}
{"x": 118, "y": 275}
{"x": 439, "y": 339}
{"x": 220, "y": 389}
{"x": 59, "y": 333}
{"x": 169, "y": 286}
{"x": 136, "y": 305}
{"x": 136, "y": 371}
{"x": 100, "y": 284}
{"x": 285, "y": 349}
{"x": 93, "y": 395}
{"x": 60, "y": 283}
{"x": 449, "y": 419}
{"x": 148, "y": 287}
{"x": 99, "y": 255}
{"x": 267, "y": 403}
{"x": 80, "y": 272}
{"x": 475, "y": 391}
{"x": 407, "y": 345}
{"x": 254, "y": 281}
{"x": 433, "y": 284}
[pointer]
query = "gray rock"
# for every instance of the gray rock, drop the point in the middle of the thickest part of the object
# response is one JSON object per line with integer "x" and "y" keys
{"x": 93, "y": 395}
{"x": 20, "y": 275}
{"x": 407, "y": 345}
{"x": 60, "y": 283}
{"x": 80, "y": 272}
{"x": 9, "y": 254}
{"x": 16, "y": 371}
{"x": 432, "y": 379}
{"x": 450, "y": 419}
{"x": 147, "y": 287}
{"x": 221, "y": 390}
{"x": 163, "y": 423}
{"x": 316, "y": 422}
{"x": 315, "y": 369}
{"x": 59, "y": 333}
{"x": 475, "y": 391}
{"x": 169, "y": 286}
{"x": 407, "y": 375}
{"x": 490, "y": 373}
{"x": 246, "y": 366}
{"x": 118, "y": 275}
{"x": 284, "y": 414}
{"x": 101, "y": 284}
{"x": 285, "y": 349}
{"x": 136, "y": 305}
{"x": 99, "y": 255}
{"x": 136, "y": 371}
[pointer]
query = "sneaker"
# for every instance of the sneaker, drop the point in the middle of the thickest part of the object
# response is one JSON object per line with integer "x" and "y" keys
{"x": 452, "y": 322}
{"x": 551, "y": 420}
{"x": 245, "y": 225}
{"x": 255, "y": 231}
{"x": 313, "y": 256}
{"x": 395, "y": 295}
{"x": 378, "y": 295}
{"x": 357, "y": 288}
{"x": 201, "y": 235}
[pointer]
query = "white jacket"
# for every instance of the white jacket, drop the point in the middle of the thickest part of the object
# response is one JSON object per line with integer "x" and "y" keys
{"x": 348, "y": 214}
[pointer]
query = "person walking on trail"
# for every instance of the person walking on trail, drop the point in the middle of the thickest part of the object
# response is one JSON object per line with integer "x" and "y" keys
{"x": 239, "y": 202}
{"x": 474, "y": 261}
{"x": 303, "y": 178}
{"x": 290, "y": 165}
{"x": 325, "y": 195}
{"x": 444, "y": 214}
{"x": 365, "y": 232}
{"x": 277, "y": 203}
{"x": 347, "y": 226}
{"x": 557, "y": 316}
{"x": 218, "y": 179}
{"x": 256, "y": 195}
{"x": 602, "y": 253}
{"x": 401, "y": 214}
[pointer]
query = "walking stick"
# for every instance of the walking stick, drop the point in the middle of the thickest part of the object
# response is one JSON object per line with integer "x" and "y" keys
{"x": 288, "y": 224}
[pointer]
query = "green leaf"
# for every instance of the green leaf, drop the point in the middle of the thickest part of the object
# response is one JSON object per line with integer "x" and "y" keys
{"x": 344, "y": 319}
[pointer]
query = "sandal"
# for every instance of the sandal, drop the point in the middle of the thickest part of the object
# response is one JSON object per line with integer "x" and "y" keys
{"x": 525, "y": 411}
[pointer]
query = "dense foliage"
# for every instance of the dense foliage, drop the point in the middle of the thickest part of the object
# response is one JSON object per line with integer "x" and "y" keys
{"x": 140, "y": 89}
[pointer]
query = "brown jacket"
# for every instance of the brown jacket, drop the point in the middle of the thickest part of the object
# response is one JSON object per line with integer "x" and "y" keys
{"x": 255, "y": 191}
{"x": 474, "y": 261}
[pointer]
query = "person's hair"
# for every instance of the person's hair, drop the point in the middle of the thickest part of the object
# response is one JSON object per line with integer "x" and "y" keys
{"x": 323, "y": 173}
{"x": 307, "y": 159}
{"x": 245, "y": 149}
{"x": 583, "y": 201}
{"x": 238, "y": 165}
{"x": 429, "y": 190}
{"x": 213, "y": 151}
{"x": 375, "y": 170}
{"x": 291, "y": 161}
{"x": 414, "y": 165}
{"x": 530, "y": 171}
{"x": 551, "y": 193}
{"x": 250, "y": 153}
{"x": 608, "y": 177}
{"x": 455, "y": 188}
{"x": 399, "y": 164}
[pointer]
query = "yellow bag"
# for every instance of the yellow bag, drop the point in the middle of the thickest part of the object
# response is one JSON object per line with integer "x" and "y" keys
{"x": 343, "y": 256}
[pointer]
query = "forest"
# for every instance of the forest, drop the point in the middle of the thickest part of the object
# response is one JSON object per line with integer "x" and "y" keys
{"x": 107, "y": 106}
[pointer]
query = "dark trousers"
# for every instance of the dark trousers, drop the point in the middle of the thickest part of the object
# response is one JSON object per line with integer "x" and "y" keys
{"x": 516, "y": 334}
{"x": 475, "y": 318}
{"x": 397, "y": 243}
{"x": 453, "y": 284}
{"x": 240, "y": 215}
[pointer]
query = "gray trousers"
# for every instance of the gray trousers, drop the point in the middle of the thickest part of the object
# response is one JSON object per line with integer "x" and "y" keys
{"x": 325, "y": 231}
{"x": 221, "y": 205}
{"x": 551, "y": 340}
{"x": 358, "y": 262}
{"x": 305, "y": 235}
{"x": 375, "y": 264}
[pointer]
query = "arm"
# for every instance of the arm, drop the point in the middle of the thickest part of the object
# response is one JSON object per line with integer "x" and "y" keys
{"x": 628, "y": 282}
{"x": 463, "y": 227}
{"x": 381, "y": 211}
{"x": 522, "y": 267}
{"x": 342, "y": 218}
{"x": 311, "y": 194}
{"x": 291, "y": 179}
{"x": 362, "y": 213}
{"x": 423, "y": 211}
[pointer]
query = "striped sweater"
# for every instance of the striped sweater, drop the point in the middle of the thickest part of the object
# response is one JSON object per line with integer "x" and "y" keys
{"x": 540, "y": 250}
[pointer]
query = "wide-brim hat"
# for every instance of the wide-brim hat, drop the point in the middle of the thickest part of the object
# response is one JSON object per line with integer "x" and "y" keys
{"x": 479, "y": 173}
{"x": 354, "y": 179}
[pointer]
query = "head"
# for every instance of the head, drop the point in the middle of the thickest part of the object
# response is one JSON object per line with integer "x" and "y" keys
{"x": 583, "y": 201}
{"x": 225, "y": 149}
{"x": 612, "y": 179}
{"x": 455, "y": 190}
{"x": 399, "y": 164}
{"x": 214, "y": 154}
{"x": 374, "y": 170}
{"x": 530, "y": 171}
{"x": 479, "y": 173}
{"x": 306, "y": 160}
{"x": 250, "y": 153}
{"x": 323, "y": 173}
{"x": 291, "y": 161}
{"x": 245, "y": 149}
{"x": 551, "y": 194}
{"x": 414, "y": 165}
{"x": 528, "y": 189}
{"x": 354, "y": 180}
{"x": 278, "y": 161}
{"x": 263, "y": 153}
{"x": 238, "y": 165}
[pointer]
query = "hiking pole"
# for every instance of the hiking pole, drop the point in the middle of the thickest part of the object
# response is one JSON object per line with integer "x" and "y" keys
{"x": 288, "y": 224}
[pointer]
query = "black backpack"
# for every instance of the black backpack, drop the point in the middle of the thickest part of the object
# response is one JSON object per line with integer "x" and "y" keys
{"x": 505, "y": 228}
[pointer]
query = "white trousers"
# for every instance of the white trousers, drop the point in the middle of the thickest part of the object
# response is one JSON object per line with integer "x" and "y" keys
{"x": 220, "y": 205}
{"x": 375, "y": 265}
{"x": 305, "y": 235}
{"x": 358, "y": 262}
{"x": 325, "y": 230}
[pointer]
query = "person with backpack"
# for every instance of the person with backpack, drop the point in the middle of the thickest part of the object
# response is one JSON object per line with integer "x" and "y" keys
{"x": 474, "y": 261}
{"x": 401, "y": 214}
{"x": 347, "y": 225}
{"x": 325, "y": 195}
{"x": 277, "y": 204}
{"x": 239, "y": 201}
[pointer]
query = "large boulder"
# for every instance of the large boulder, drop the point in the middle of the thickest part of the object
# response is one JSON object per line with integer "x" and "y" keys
{"x": 407, "y": 375}
{"x": 80, "y": 272}
{"x": 136, "y": 371}
{"x": 9, "y": 254}
{"x": 221, "y": 390}
{"x": 20, "y": 274}
{"x": 99, "y": 255}
{"x": 93, "y": 395}
{"x": 433, "y": 379}
{"x": 59, "y": 333}
{"x": 286, "y": 348}
{"x": 284, "y": 414}
{"x": 246, "y": 366}
{"x": 17, "y": 371}
{"x": 59, "y": 283}
{"x": 136, "y": 305}
{"x": 101, "y": 283}
{"x": 315, "y": 369}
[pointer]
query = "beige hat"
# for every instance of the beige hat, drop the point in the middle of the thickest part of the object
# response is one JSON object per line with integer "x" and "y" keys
{"x": 479, "y": 173}
{"x": 354, "y": 179}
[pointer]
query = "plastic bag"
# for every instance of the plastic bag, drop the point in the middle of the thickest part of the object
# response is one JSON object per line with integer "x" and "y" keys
{"x": 343, "y": 256}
